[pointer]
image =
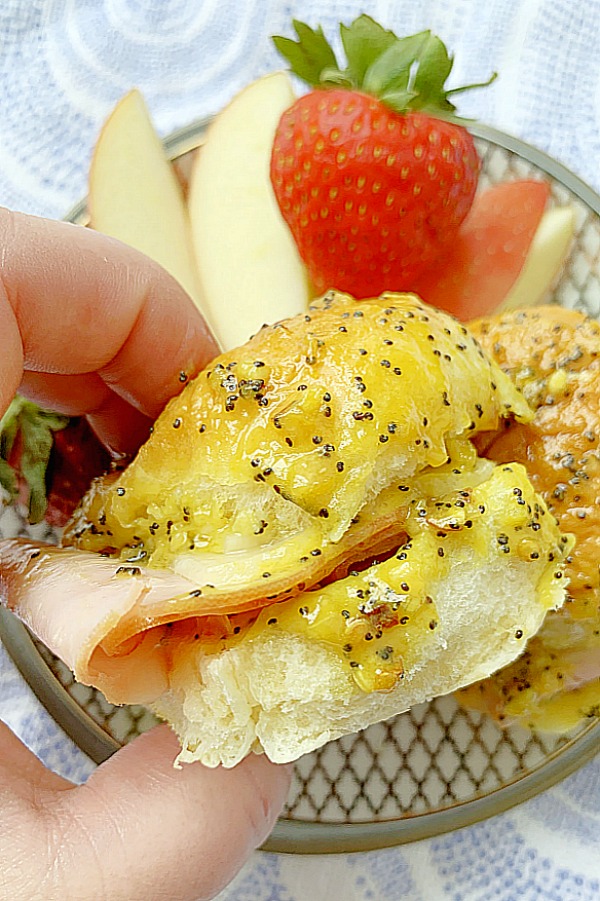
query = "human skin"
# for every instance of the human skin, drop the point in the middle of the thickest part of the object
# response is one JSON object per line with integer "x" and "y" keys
{"x": 89, "y": 326}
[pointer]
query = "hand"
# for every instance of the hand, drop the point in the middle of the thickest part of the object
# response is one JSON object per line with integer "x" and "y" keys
{"x": 88, "y": 326}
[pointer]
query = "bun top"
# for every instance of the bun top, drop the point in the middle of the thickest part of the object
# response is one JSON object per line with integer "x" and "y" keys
{"x": 300, "y": 427}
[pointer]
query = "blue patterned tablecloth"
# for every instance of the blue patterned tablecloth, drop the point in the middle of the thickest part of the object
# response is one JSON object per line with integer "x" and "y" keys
{"x": 63, "y": 65}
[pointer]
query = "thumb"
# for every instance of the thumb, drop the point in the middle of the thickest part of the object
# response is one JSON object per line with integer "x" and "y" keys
{"x": 140, "y": 828}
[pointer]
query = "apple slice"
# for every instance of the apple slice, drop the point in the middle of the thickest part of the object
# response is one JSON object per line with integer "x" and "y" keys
{"x": 546, "y": 256}
{"x": 249, "y": 265}
{"x": 135, "y": 196}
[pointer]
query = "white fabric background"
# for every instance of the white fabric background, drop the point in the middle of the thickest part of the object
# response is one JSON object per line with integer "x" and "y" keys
{"x": 63, "y": 65}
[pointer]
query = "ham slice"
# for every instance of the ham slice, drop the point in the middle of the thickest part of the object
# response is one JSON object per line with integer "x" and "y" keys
{"x": 75, "y": 601}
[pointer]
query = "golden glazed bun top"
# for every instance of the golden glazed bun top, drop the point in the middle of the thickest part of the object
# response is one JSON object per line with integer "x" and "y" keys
{"x": 323, "y": 410}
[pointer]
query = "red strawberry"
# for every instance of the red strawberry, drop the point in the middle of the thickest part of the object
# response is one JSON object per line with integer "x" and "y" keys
{"x": 48, "y": 461}
{"x": 78, "y": 457}
{"x": 371, "y": 170}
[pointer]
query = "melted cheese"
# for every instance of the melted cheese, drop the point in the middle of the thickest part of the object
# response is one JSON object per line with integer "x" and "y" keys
{"x": 382, "y": 620}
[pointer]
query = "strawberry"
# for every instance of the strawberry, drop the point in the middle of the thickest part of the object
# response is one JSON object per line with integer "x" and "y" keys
{"x": 47, "y": 461}
{"x": 371, "y": 169}
{"x": 78, "y": 456}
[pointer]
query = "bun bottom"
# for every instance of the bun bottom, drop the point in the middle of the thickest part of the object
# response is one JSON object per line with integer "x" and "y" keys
{"x": 284, "y": 695}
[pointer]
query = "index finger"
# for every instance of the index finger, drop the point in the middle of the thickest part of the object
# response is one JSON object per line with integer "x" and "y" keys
{"x": 74, "y": 301}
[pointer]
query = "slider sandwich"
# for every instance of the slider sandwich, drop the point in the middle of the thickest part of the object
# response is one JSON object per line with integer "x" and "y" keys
{"x": 308, "y": 542}
{"x": 554, "y": 686}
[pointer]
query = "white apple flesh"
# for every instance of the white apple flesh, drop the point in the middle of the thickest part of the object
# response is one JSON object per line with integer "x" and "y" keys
{"x": 543, "y": 262}
{"x": 134, "y": 194}
{"x": 249, "y": 265}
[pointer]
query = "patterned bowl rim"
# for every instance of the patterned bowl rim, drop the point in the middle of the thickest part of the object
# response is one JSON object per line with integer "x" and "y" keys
{"x": 297, "y": 836}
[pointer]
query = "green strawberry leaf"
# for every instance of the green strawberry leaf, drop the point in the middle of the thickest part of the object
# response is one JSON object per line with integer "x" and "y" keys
{"x": 398, "y": 100}
{"x": 332, "y": 77}
{"x": 310, "y": 55}
{"x": 364, "y": 41}
{"x": 474, "y": 86}
{"x": 8, "y": 479}
{"x": 35, "y": 428}
{"x": 37, "y": 436}
{"x": 392, "y": 71}
{"x": 404, "y": 73}
{"x": 9, "y": 426}
{"x": 433, "y": 66}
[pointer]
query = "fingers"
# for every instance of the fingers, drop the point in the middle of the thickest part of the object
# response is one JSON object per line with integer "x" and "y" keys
{"x": 138, "y": 829}
{"x": 26, "y": 787}
{"x": 21, "y": 771}
{"x": 120, "y": 426}
{"x": 11, "y": 352}
{"x": 73, "y": 395}
{"x": 74, "y": 301}
{"x": 141, "y": 817}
